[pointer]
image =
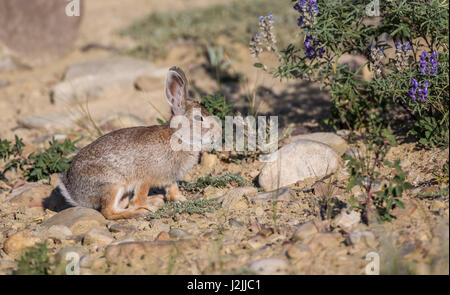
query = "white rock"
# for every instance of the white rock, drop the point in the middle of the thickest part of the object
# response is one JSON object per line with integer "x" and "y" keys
{"x": 328, "y": 138}
{"x": 297, "y": 161}
{"x": 347, "y": 220}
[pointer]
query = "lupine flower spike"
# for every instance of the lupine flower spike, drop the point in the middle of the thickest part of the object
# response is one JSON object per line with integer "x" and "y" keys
{"x": 428, "y": 63}
{"x": 402, "y": 53}
{"x": 421, "y": 92}
{"x": 376, "y": 56}
{"x": 308, "y": 10}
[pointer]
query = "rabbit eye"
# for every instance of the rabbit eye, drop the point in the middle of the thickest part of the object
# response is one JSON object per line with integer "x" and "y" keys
{"x": 198, "y": 118}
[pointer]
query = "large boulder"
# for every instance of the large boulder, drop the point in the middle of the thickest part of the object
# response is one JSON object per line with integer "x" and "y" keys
{"x": 297, "y": 161}
{"x": 38, "y": 31}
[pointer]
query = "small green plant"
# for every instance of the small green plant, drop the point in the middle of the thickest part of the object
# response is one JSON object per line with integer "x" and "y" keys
{"x": 365, "y": 172}
{"x": 219, "y": 66}
{"x": 197, "y": 206}
{"x": 217, "y": 105}
{"x": 217, "y": 181}
{"x": 34, "y": 261}
{"x": 40, "y": 165}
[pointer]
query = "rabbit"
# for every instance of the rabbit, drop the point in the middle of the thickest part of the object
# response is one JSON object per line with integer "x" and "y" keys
{"x": 132, "y": 160}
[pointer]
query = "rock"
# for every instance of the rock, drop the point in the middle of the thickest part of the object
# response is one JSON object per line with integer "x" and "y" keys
{"x": 46, "y": 138}
{"x": 159, "y": 226}
{"x": 283, "y": 194}
{"x": 365, "y": 236}
{"x": 117, "y": 227}
{"x": 437, "y": 205}
{"x": 147, "y": 83}
{"x": 256, "y": 242}
{"x": 259, "y": 211}
{"x": 65, "y": 254}
{"x": 344, "y": 133}
{"x": 297, "y": 161}
{"x": 354, "y": 153}
{"x": 208, "y": 161}
{"x": 130, "y": 252}
{"x": 347, "y": 220}
{"x": 320, "y": 241}
{"x": 60, "y": 232}
{"x": 269, "y": 266}
{"x": 30, "y": 195}
{"x": 178, "y": 233}
{"x": 328, "y": 138}
{"x": 78, "y": 219}
{"x": 298, "y": 251}
{"x": 7, "y": 64}
{"x": 408, "y": 211}
{"x": 163, "y": 236}
{"x": 305, "y": 230}
{"x": 98, "y": 235}
{"x": 235, "y": 223}
{"x": 38, "y": 31}
{"x": 376, "y": 186}
{"x": 50, "y": 121}
{"x": 89, "y": 79}
{"x": 234, "y": 198}
{"x": 19, "y": 241}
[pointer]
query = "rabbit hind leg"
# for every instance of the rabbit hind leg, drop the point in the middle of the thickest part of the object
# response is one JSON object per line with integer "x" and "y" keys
{"x": 110, "y": 207}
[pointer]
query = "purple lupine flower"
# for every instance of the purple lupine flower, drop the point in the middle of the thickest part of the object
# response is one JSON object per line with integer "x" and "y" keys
{"x": 412, "y": 91}
{"x": 308, "y": 11}
{"x": 428, "y": 63}
{"x": 313, "y": 47}
{"x": 421, "y": 92}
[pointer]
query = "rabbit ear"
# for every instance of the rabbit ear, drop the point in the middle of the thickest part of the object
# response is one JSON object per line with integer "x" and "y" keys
{"x": 176, "y": 90}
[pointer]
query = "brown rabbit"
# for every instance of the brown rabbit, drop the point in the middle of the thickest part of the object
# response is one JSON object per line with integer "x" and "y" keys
{"x": 132, "y": 160}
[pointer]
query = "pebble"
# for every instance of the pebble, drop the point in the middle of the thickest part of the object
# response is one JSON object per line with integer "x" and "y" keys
{"x": 283, "y": 194}
{"x": 78, "y": 219}
{"x": 347, "y": 220}
{"x": 99, "y": 236}
{"x": 305, "y": 230}
{"x": 19, "y": 241}
{"x": 234, "y": 198}
{"x": 269, "y": 266}
{"x": 178, "y": 233}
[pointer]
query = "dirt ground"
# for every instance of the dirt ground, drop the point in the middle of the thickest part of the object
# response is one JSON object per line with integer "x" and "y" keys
{"x": 230, "y": 239}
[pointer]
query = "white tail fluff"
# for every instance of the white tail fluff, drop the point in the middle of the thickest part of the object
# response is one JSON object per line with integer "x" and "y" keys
{"x": 64, "y": 192}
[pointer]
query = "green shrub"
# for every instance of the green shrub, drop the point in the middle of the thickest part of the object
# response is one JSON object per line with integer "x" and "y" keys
{"x": 39, "y": 165}
{"x": 343, "y": 27}
{"x": 365, "y": 171}
{"x": 34, "y": 261}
